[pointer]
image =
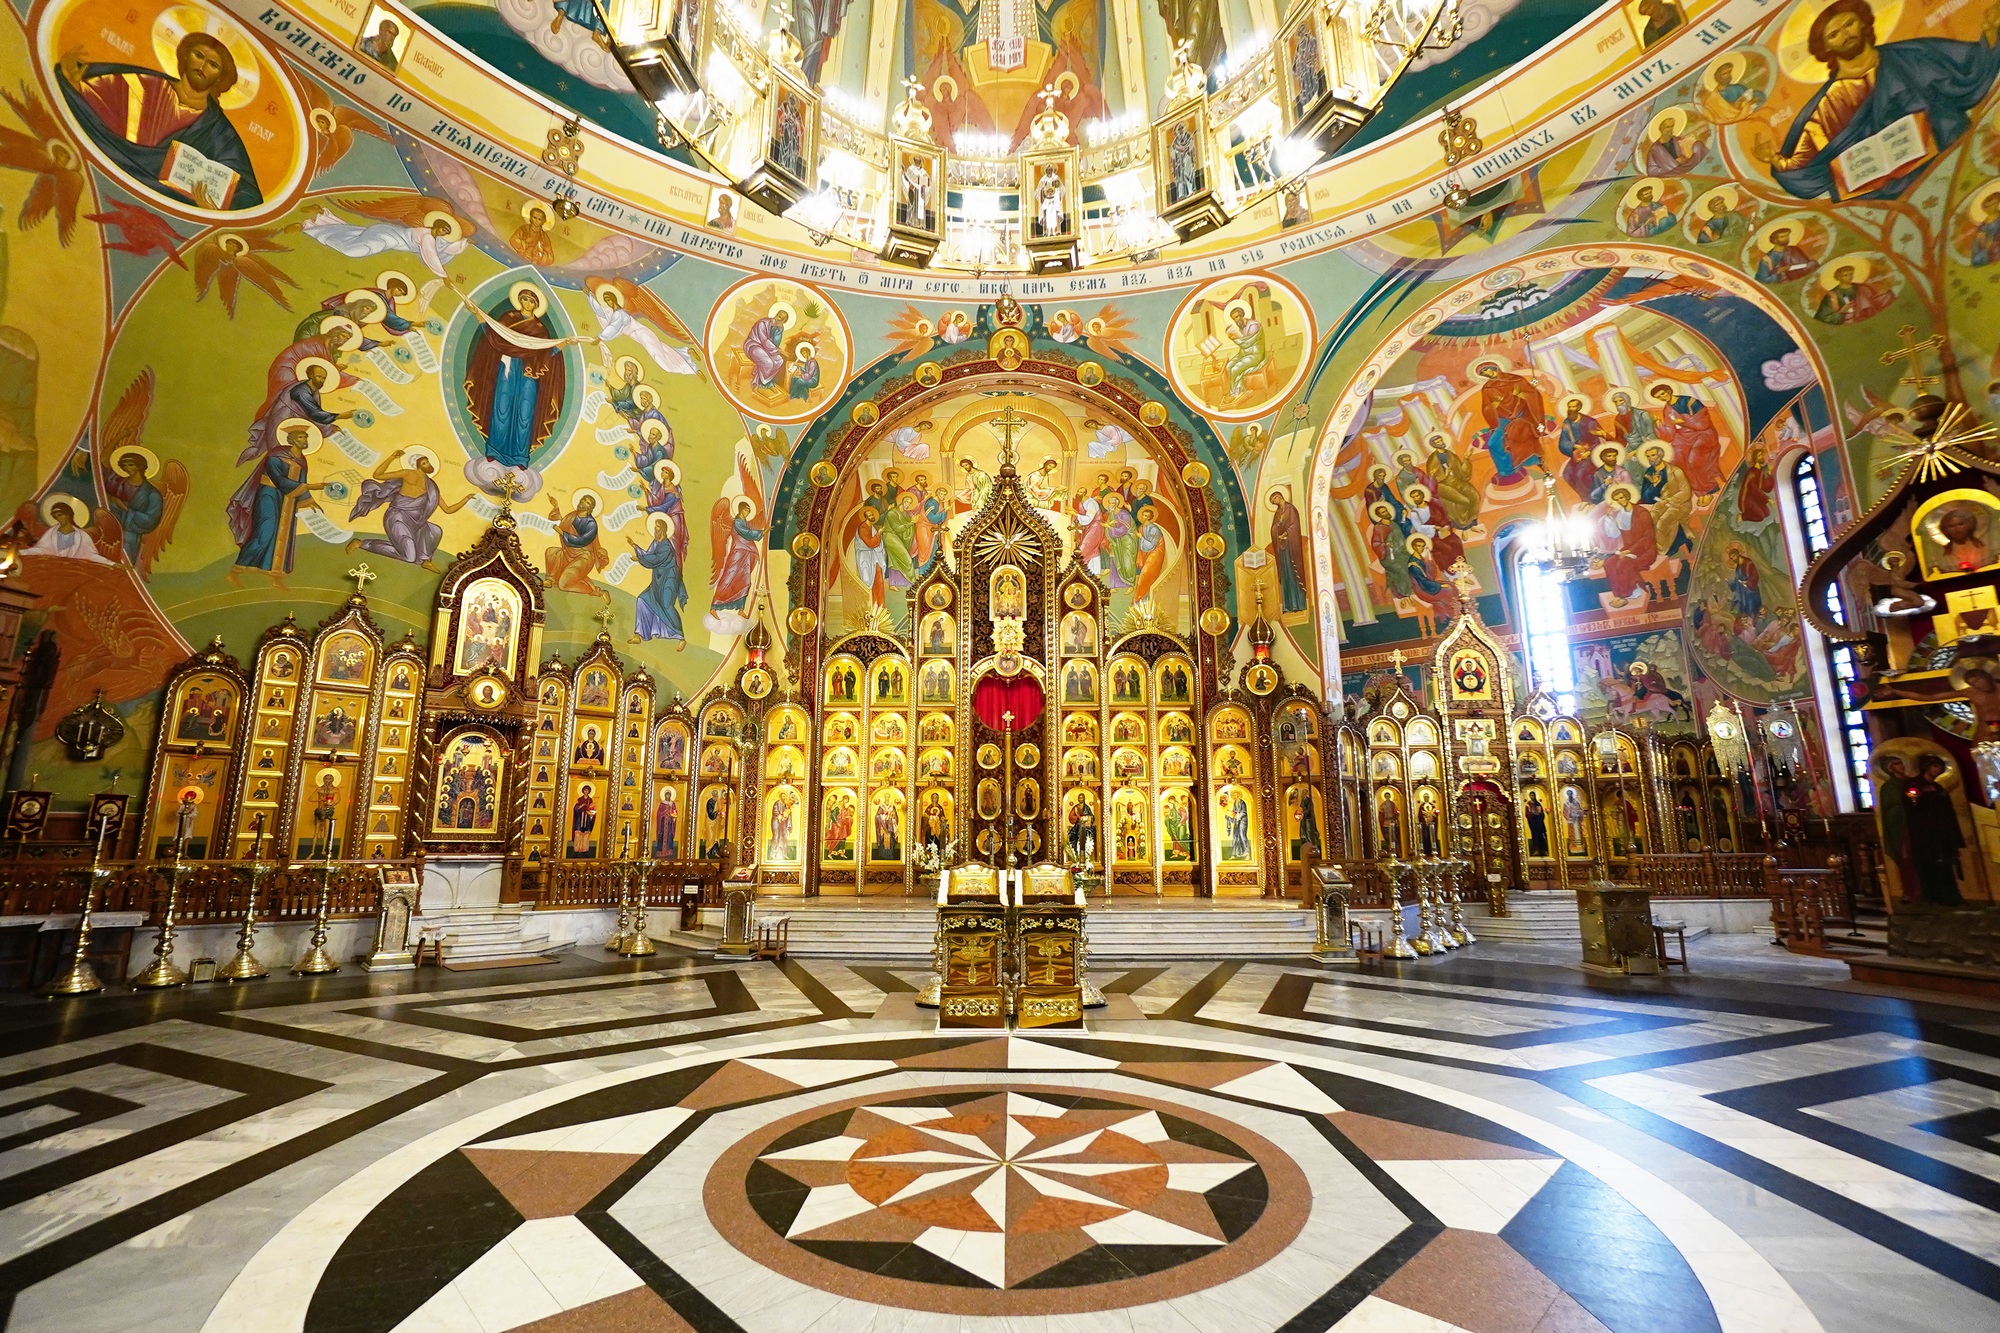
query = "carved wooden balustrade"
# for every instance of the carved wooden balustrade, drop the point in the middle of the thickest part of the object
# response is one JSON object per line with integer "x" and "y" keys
{"x": 1805, "y": 902}
{"x": 1371, "y": 885}
{"x": 1701, "y": 874}
{"x": 211, "y": 892}
{"x": 598, "y": 885}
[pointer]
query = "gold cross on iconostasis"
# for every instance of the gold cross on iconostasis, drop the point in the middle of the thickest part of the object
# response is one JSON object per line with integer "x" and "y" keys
{"x": 1007, "y": 423}
{"x": 1910, "y": 351}
{"x": 603, "y": 619}
{"x": 362, "y": 576}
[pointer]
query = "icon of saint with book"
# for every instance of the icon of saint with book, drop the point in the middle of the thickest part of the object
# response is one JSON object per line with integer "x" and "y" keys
{"x": 1886, "y": 108}
{"x": 167, "y": 131}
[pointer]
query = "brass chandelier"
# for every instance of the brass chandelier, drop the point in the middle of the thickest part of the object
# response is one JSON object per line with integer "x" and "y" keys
{"x": 738, "y": 100}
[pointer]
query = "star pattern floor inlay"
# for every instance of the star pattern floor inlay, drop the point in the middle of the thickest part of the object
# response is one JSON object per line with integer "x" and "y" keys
{"x": 1008, "y": 1187}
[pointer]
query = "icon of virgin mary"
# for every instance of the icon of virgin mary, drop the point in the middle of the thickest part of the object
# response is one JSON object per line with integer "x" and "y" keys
{"x": 515, "y": 376}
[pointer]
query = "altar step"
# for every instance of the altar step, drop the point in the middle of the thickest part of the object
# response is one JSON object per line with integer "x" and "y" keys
{"x": 1545, "y": 916}
{"x": 1199, "y": 932}
{"x": 478, "y": 935}
{"x": 1183, "y": 931}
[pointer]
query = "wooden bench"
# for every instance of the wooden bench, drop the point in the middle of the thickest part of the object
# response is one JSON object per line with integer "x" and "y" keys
{"x": 1367, "y": 941}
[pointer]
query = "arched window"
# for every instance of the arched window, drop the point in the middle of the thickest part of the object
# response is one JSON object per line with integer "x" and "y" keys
{"x": 1837, "y": 672}
{"x": 1543, "y": 599}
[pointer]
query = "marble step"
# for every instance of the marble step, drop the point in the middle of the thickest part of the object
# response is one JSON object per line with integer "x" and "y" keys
{"x": 1532, "y": 918}
{"x": 1124, "y": 932}
{"x": 471, "y": 936}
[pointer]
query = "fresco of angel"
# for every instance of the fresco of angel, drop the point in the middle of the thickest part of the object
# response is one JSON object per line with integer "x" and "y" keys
{"x": 227, "y": 259}
{"x": 45, "y": 153}
{"x": 735, "y": 526}
{"x": 624, "y": 309}
{"x": 427, "y": 228}
{"x": 142, "y": 493}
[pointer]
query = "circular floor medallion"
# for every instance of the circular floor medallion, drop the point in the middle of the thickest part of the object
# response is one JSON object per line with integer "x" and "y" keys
{"x": 983, "y": 1200}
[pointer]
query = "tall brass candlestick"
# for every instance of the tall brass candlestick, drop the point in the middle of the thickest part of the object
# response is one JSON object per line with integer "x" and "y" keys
{"x": 621, "y": 936}
{"x": 245, "y": 965}
{"x": 1399, "y": 944}
{"x": 639, "y": 941}
{"x": 317, "y": 962}
{"x": 82, "y": 978}
{"x": 164, "y": 973}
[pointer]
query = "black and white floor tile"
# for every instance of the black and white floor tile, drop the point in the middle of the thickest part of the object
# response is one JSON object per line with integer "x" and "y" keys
{"x": 1491, "y": 1142}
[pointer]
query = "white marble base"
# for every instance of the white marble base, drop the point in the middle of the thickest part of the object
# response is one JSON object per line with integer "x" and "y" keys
{"x": 452, "y": 882}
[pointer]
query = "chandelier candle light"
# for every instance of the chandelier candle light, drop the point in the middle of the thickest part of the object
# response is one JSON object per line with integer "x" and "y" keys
{"x": 739, "y": 100}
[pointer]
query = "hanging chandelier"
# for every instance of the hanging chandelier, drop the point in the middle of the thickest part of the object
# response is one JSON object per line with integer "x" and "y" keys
{"x": 737, "y": 99}
{"x": 1560, "y": 543}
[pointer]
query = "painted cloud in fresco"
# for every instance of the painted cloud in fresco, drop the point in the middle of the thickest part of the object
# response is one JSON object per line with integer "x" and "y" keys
{"x": 570, "y": 41}
{"x": 1480, "y": 17}
{"x": 1790, "y": 371}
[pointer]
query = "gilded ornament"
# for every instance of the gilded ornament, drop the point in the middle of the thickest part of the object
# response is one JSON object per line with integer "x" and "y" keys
{"x": 1196, "y": 474}
{"x": 1210, "y": 546}
{"x": 1090, "y": 374}
{"x": 866, "y": 413}
{"x": 1153, "y": 414}
{"x": 803, "y": 620}
{"x": 1215, "y": 621}
{"x": 824, "y": 474}
{"x": 805, "y": 546}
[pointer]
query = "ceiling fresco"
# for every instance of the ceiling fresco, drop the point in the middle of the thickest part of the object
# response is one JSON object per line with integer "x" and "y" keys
{"x": 1653, "y": 295}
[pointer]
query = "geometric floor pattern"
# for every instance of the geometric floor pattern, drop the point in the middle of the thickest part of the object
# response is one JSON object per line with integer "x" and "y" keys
{"x": 1489, "y": 1142}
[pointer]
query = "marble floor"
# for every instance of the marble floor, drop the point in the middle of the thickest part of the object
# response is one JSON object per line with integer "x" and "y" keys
{"x": 1491, "y": 1141}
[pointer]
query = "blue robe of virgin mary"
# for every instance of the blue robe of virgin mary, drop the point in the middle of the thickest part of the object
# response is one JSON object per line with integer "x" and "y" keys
{"x": 514, "y": 393}
{"x": 1942, "y": 78}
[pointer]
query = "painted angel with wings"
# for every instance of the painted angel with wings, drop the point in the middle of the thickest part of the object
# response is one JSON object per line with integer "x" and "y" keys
{"x": 624, "y": 309}
{"x": 44, "y": 152}
{"x": 227, "y": 259}
{"x": 334, "y": 127}
{"x": 425, "y": 227}
{"x": 736, "y": 524}
{"x": 143, "y": 495}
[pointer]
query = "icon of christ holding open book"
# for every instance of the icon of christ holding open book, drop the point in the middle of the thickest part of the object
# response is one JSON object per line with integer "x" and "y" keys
{"x": 1884, "y": 110}
{"x": 169, "y": 132}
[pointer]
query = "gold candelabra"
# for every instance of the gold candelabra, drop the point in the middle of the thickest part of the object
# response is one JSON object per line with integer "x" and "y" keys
{"x": 1440, "y": 932}
{"x": 245, "y": 965}
{"x": 1460, "y": 868}
{"x": 1422, "y": 942}
{"x": 163, "y": 973}
{"x": 621, "y": 936}
{"x": 82, "y": 978}
{"x": 317, "y": 962}
{"x": 639, "y": 942}
{"x": 1399, "y": 944}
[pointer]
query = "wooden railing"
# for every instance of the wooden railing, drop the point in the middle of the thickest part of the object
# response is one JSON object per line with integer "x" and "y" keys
{"x": 602, "y": 885}
{"x": 211, "y": 892}
{"x": 1805, "y": 902}
{"x": 1701, "y": 874}
{"x": 1371, "y": 885}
